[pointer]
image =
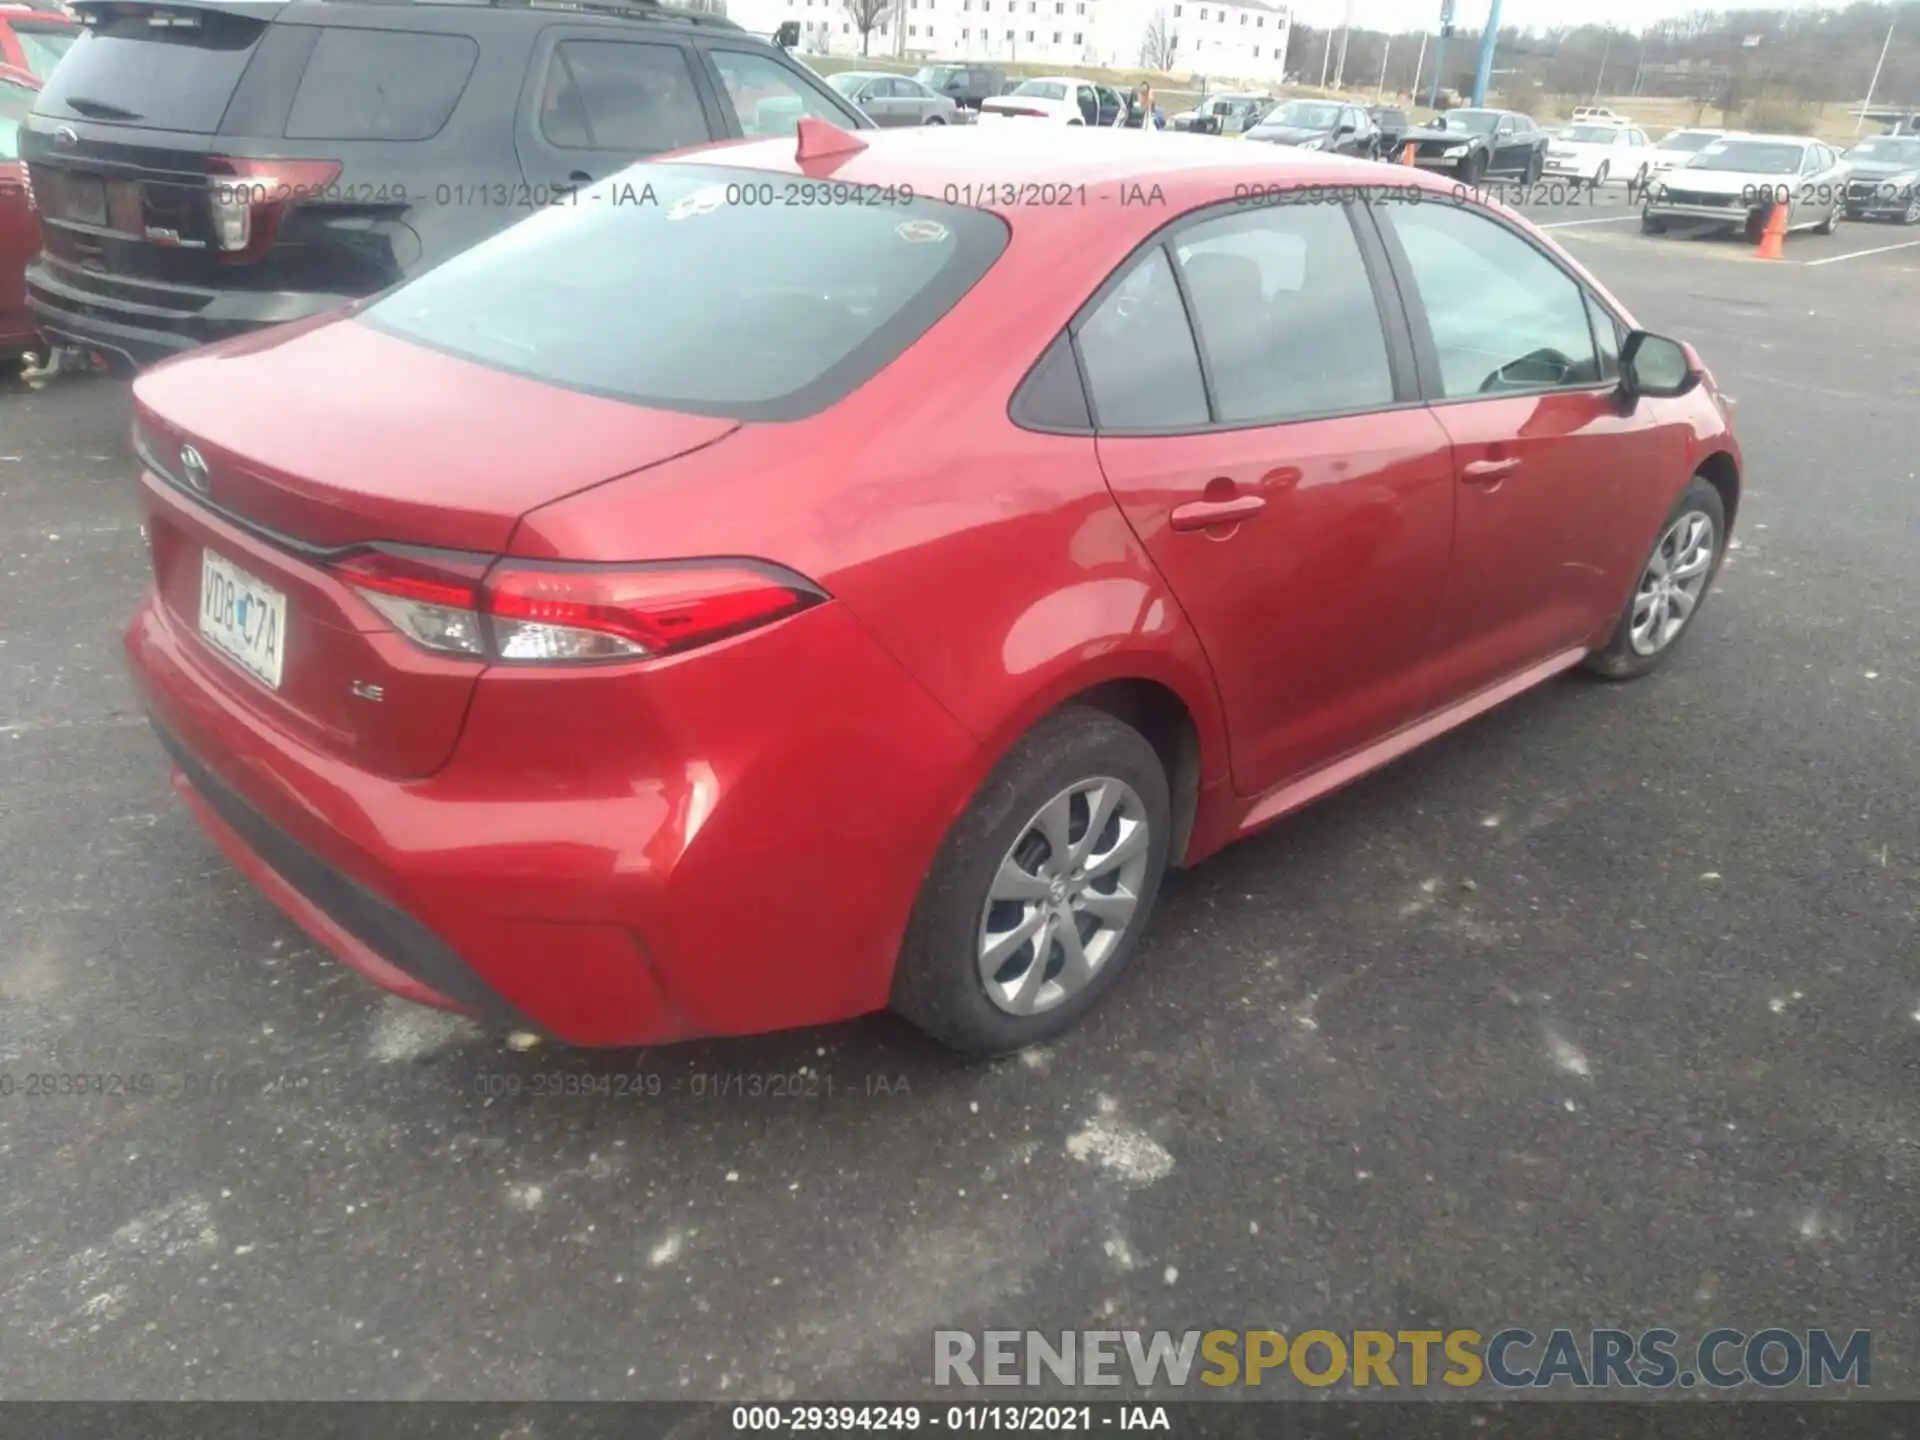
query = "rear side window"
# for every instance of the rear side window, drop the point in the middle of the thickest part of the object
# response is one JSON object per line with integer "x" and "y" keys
{"x": 380, "y": 85}
{"x": 157, "y": 68}
{"x": 620, "y": 95}
{"x": 1287, "y": 314}
{"x": 1137, "y": 351}
{"x": 670, "y": 286}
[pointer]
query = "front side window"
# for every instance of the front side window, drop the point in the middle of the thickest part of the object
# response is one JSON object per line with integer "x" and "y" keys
{"x": 619, "y": 95}
{"x": 768, "y": 98}
{"x": 1286, "y": 315}
{"x": 1504, "y": 318}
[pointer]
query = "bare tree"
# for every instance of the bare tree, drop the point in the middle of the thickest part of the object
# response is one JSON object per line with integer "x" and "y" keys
{"x": 1158, "y": 45}
{"x": 868, "y": 16}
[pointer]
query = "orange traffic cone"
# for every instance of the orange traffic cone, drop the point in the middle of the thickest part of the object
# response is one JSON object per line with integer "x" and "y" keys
{"x": 1406, "y": 155}
{"x": 1773, "y": 240}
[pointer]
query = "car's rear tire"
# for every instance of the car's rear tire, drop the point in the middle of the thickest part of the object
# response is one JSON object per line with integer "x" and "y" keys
{"x": 1600, "y": 175}
{"x": 972, "y": 971}
{"x": 1671, "y": 588}
{"x": 936, "y": 120}
{"x": 1652, "y": 225}
{"x": 1832, "y": 222}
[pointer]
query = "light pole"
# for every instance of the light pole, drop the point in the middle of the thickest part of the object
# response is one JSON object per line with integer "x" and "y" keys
{"x": 1346, "y": 34}
{"x": 1874, "y": 84}
{"x": 1601, "y": 79}
{"x": 1419, "y": 66}
{"x": 1488, "y": 40}
{"x": 1381, "y": 93}
{"x": 1440, "y": 54}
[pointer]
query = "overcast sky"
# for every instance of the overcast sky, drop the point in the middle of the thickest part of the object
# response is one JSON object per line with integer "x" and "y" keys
{"x": 1472, "y": 14}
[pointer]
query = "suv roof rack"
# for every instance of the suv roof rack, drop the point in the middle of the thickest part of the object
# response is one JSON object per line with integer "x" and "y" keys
{"x": 631, "y": 9}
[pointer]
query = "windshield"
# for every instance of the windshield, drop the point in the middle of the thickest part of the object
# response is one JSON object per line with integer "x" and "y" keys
{"x": 42, "y": 44}
{"x": 1305, "y": 115}
{"x": 1749, "y": 157}
{"x": 1689, "y": 142}
{"x": 686, "y": 288}
{"x": 1474, "y": 122}
{"x": 1590, "y": 134}
{"x": 1887, "y": 152}
{"x": 1041, "y": 90}
{"x": 848, "y": 81}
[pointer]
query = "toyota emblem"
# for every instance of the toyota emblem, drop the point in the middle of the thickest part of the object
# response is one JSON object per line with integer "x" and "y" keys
{"x": 195, "y": 470}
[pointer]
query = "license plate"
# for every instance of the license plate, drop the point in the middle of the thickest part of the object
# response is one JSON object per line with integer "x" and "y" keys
{"x": 242, "y": 618}
{"x": 84, "y": 199}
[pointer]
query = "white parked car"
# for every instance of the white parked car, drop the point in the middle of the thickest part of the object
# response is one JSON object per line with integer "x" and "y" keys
{"x": 1061, "y": 99}
{"x": 1677, "y": 147}
{"x": 1738, "y": 181}
{"x": 1597, "y": 153}
{"x": 1596, "y": 115}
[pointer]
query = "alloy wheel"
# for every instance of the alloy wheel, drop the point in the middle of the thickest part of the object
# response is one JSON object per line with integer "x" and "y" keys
{"x": 1064, "y": 896}
{"x": 1673, "y": 582}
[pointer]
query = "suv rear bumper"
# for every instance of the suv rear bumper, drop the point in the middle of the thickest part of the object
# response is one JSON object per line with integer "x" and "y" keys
{"x": 142, "y": 322}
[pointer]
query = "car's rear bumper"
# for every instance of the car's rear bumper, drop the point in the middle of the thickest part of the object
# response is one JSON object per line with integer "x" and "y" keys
{"x": 141, "y": 322}
{"x": 623, "y": 857}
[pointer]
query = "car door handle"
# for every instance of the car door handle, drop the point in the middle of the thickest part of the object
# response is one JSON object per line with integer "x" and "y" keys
{"x": 1488, "y": 472}
{"x": 1205, "y": 514}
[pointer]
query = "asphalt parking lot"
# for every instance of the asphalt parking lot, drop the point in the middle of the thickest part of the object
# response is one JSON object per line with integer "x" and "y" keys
{"x": 1603, "y": 1011}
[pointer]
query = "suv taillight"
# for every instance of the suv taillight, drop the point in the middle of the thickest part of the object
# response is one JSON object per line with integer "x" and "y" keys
{"x": 536, "y": 612}
{"x": 248, "y": 197}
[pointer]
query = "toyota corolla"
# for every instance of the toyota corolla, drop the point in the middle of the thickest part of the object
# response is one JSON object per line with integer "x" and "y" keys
{"x": 801, "y": 579}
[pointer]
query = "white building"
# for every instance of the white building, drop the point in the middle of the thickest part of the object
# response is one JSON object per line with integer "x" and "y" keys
{"x": 1224, "y": 40}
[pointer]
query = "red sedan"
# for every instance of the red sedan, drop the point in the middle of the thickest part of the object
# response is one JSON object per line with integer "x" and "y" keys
{"x": 19, "y": 231}
{"x": 802, "y": 579}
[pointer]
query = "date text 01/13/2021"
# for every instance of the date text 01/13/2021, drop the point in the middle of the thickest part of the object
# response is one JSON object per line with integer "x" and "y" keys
{"x": 957, "y": 1419}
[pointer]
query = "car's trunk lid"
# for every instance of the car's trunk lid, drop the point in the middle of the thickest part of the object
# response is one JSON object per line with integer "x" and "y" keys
{"x": 390, "y": 444}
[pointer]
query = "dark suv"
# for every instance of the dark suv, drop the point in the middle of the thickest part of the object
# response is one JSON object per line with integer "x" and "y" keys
{"x": 965, "y": 85}
{"x": 206, "y": 168}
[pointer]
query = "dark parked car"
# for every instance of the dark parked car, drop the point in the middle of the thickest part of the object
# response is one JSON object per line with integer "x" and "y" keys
{"x": 1320, "y": 125}
{"x": 891, "y": 100}
{"x": 1393, "y": 125}
{"x": 19, "y": 235}
{"x": 1884, "y": 179}
{"x": 33, "y": 37}
{"x": 1473, "y": 144}
{"x": 965, "y": 85}
{"x": 239, "y": 166}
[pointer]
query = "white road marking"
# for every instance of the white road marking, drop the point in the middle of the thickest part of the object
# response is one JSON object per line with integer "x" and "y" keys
{"x": 1602, "y": 220}
{"x": 1861, "y": 254}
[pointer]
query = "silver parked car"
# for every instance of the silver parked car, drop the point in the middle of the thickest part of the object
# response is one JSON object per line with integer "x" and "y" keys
{"x": 1738, "y": 180}
{"x": 896, "y": 99}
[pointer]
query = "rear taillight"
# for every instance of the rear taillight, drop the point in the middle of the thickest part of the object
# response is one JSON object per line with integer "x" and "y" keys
{"x": 524, "y": 612}
{"x": 26, "y": 184}
{"x": 248, "y": 198}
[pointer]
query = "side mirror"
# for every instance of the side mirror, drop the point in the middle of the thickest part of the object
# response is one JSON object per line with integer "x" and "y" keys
{"x": 1653, "y": 365}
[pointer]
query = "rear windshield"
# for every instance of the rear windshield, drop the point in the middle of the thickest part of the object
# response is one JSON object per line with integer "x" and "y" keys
{"x": 699, "y": 288}
{"x": 161, "y": 69}
{"x": 1688, "y": 142}
{"x": 1041, "y": 90}
{"x": 42, "y": 43}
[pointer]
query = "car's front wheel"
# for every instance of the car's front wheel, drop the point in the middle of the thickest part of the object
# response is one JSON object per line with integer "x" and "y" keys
{"x": 1473, "y": 171}
{"x": 1652, "y": 224}
{"x": 1912, "y": 217}
{"x": 1040, "y": 891}
{"x": 1832, "y": 222}
{"x": 1673, "y": 583}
